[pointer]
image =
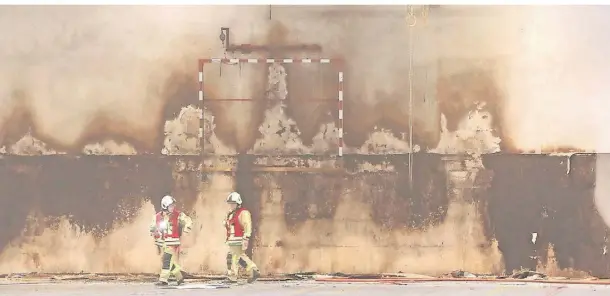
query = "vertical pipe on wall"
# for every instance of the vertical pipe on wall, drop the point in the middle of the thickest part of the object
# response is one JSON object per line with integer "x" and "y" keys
{"x": 412, "y": 22}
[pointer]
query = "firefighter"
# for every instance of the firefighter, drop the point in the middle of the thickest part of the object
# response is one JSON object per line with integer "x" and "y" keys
{"x": 167, "y": 228}
{"x": 239, "y": 230}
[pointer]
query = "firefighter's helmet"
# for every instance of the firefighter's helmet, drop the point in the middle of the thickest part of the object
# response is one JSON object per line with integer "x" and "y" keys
{"x": 234, "y": 198}
{"x": 167, "y": 201}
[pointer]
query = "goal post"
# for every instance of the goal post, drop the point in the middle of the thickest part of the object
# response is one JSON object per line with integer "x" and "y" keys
{"x": 337, "y": 64}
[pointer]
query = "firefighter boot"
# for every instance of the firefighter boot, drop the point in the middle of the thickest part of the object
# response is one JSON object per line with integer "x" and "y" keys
{"x": 254, "y": 276}
{"x": 179, "y": 278}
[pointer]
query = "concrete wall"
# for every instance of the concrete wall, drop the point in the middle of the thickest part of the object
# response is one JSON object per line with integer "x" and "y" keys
{"x": 365, "y": 218}
{"x": 100, "y": 119}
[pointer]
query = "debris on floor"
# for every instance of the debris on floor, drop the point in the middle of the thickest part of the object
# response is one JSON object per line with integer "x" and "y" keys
{"x": 524, "y": 274}
{"x": 458, "y": 274}
{"x": 528, "y": 274}
{"x": 293, "y": 279}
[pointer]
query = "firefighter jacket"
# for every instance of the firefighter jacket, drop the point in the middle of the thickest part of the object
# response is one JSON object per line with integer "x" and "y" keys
{"x": 167, "y": 228}
{"x": 239, "y": 226}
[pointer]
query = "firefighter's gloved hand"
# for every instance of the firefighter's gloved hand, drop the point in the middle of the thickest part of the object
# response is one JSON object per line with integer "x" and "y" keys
{"x": 244, "y": 244}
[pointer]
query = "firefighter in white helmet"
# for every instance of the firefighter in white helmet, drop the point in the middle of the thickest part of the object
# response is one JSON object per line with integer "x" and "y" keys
{"x": 239, "y": 230}
{"x": 167, "y": 228}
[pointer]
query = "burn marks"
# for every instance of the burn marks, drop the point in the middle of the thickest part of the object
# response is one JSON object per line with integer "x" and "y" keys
{"x": 246, "y": 185}
{"x": 178, "y": 91}
{"x": 92, "y": 191}
{"x": 517, "y": 195}
{"x": 312, "y": 98}
{"x": 535, "y": 193}
{"x": 462, "y": 91}
{"x": 18, "y": 120}
{"x": 361, "y": 120}
{"x": 309, "y": 196}
{"x": 394, "y": 203}
{"x": 237, "y": 123}
{"x": 399, "y": 201}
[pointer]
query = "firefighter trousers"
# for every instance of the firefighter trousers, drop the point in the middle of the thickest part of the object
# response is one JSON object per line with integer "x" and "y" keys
{"x": 238, "y": 255}
{"x": 170, "y": 265}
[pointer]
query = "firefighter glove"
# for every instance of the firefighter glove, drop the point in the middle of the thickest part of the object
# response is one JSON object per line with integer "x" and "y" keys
{"x": 245, "y": 243}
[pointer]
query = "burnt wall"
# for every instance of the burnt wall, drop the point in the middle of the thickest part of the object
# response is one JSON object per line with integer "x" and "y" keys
{"x": 92, "y": 191}
{"x": 430, "y": 213}
{"x": 513, "y": 196}
{"x": 312, "y": 213}
{"x": 552, "y": 196}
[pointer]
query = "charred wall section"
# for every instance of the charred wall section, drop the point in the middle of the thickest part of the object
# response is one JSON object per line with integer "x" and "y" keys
{"x": 92, "y": 191}
{"x": 553, "y": 198}
{"x": 365, "y": 213}
{"x": 313, "y": 213}
{"x": 514, "y": 196}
